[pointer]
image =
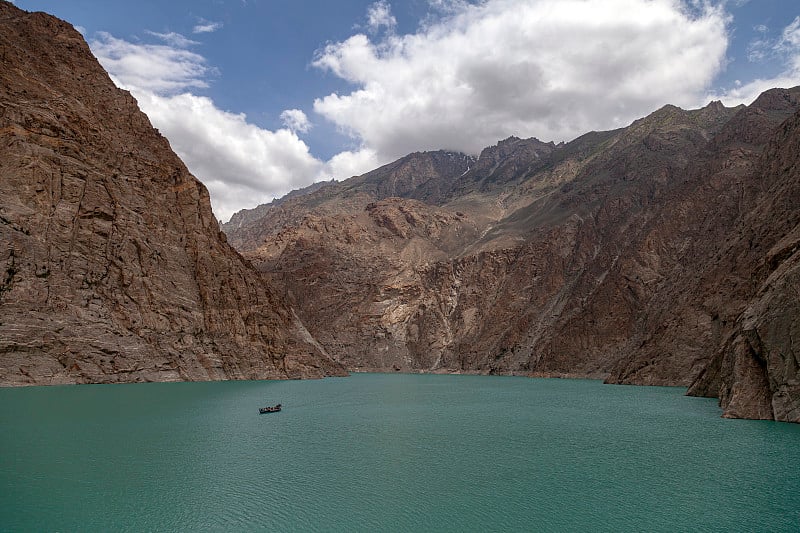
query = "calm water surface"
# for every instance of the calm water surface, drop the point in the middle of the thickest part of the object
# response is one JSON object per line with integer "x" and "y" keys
{"x": 390, "y": 452}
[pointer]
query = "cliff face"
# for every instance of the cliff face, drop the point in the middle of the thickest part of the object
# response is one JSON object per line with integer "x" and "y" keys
{"x": 113, "y": 267}
{"x": 609, "y": 256}
{"x": 698, "y": 296}
{"x": 755, "y": 366}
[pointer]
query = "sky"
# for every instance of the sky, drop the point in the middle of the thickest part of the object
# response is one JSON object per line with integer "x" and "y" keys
{"x": 260, "y": 97}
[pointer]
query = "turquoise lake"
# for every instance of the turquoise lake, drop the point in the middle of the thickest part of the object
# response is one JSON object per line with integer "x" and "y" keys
{"x": 386, "y": 452}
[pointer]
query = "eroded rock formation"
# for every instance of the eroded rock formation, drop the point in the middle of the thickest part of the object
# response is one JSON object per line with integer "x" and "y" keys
{"x": 112, "y": 266}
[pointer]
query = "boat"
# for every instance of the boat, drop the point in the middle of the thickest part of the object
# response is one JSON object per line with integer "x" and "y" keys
{"x": 270, "y": 409}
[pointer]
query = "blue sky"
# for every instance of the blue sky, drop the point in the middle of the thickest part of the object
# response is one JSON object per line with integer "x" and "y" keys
{"x": 259, "y": 97}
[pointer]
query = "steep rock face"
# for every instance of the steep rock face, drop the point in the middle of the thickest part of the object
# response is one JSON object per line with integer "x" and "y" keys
{"x": 698, "y": 293}
{"x": 357, "y": 273}
{"x": 245, "y": 217}
{"x": 755, "y": 370}
{"x": 113, "y": 266}
{"x": 425, "y": 176}
{"x": 568, "y": 299}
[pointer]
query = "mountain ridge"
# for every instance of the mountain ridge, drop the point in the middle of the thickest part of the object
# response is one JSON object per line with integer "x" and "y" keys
{"x": 546, "y": 260}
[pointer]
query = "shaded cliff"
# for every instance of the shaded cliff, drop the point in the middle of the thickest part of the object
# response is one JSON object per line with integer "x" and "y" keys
{"x": 113, "y": 267}
{"x": 755, "y": 370}
{"x": 602, "y": 257}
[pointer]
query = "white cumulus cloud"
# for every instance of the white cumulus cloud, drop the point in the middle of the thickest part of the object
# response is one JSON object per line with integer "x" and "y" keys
{"x": 242, "y": 164}
{"x": 473, "y": 73}
{"x": 547, "y": 68}
{"x": 158, "y": 68}
{"x": 295, "y": 120}
{"x": 351, "y": 163}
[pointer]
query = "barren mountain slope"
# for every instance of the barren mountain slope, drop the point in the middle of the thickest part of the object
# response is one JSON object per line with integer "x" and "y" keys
{"x": 701, "y": 293}
{"x": 113, "y": 267}
{"x": 661, "y": 253}
{"x": 501, "y": 258}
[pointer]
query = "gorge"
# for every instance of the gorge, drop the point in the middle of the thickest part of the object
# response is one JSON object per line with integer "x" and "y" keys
{"x": 663, "y": 253}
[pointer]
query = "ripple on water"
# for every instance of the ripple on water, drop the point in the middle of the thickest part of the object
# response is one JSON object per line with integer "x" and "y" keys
{"x": 390, "y": 452}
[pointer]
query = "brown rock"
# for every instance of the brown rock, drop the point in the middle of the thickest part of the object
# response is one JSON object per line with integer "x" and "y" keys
{"x": 754, "y": 371}
{"x": 113, "y": 266}
{"x": 612, "y": 256}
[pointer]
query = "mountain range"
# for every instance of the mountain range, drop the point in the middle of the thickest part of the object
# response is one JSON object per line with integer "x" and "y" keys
{"x": 663, "y": 253}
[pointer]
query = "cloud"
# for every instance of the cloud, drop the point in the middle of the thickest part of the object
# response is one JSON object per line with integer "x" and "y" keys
{"x": 759, "y": 48}
{"x": 548, "y": 68}
{"x": 242, "y": 164}
{"x": 158, "y": 68}
{"x": 448, "y": 6}
{"x": 786, "y": 49}
{"x": 472, "y": 73}
{"x": 206, "y": 26}
{"x": 790, "y": 38}
{"x": 380, "y": 15}
{"x": 350, "y": 163}
{"x": 173, "y": 39}
{"x": 295, "y": 120}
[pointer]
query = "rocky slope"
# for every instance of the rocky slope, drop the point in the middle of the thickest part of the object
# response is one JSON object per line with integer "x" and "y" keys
{"x": 113, "y": 267}
{"x": 608, "y": 256}
{"x": 755, "y": 365}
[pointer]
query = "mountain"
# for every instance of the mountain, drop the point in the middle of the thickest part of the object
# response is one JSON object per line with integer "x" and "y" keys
{"x": 113, "y": 267}
{"x": 663, "y": 253}
{"x": 754, "y": 368}
{"x": 634, "y": 255}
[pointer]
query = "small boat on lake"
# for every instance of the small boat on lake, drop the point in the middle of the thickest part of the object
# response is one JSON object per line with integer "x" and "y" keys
{"x": 271, "y": 409}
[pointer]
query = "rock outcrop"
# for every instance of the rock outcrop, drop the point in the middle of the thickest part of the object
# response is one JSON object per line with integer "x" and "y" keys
{"x": 112, "y": 266}
{"x": 610, "y": 256}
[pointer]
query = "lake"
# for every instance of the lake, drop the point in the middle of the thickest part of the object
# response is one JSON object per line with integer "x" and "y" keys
{"x": 390, "y": 452}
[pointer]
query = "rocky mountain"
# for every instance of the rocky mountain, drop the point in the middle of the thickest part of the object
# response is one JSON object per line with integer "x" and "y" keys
{"x": 246, "y": 216}
{"x": 660, "y": 253}
{"x": 113, "y": 267}
{"x": 664, "y": 253}
{"x": 755, "y": 362}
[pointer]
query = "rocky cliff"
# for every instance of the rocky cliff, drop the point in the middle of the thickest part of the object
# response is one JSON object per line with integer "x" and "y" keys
{"x": 619, "y": 255}
{"x": 112, "y": 266}
{"x": 755, "y": 365}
